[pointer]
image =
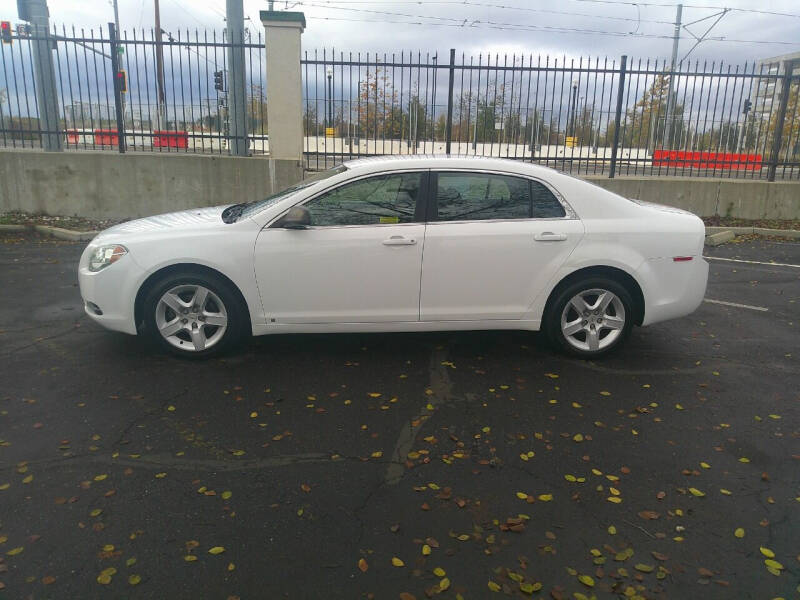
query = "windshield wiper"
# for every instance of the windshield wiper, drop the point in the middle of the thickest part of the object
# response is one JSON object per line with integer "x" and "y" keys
{"x": 230, "y": 214}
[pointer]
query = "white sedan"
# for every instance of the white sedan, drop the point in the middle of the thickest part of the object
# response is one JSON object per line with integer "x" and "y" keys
{"x": 402, "y": 244}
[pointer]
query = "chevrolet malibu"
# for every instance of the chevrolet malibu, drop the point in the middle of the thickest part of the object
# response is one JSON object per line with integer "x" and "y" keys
{"x": 402, "y": 244}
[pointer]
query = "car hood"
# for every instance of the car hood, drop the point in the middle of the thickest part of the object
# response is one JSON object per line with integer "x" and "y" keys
{"x": 194, "y": 219}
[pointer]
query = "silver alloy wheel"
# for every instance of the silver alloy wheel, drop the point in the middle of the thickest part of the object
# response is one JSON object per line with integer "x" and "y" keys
{"x": 191, "y": 317}
{"x": 593, "y": 320}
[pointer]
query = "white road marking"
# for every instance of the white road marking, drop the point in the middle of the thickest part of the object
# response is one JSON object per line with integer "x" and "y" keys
{"x": 752, "y": 262}
{"x": 736, "y": 305}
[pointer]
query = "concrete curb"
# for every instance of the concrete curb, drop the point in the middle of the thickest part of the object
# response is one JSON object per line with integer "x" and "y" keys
{"x": 11, "y": 228}
{"x": 719, "y": 238}
{"x": 66, "y": 234}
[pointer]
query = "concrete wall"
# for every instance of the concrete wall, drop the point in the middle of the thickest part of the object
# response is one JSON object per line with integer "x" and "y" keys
{"x": 104, "y": 185}
{"x": 709, "y": 197}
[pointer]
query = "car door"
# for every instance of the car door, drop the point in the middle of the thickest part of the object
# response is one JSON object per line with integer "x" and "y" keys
{"x": 359, "y": 261}
{"x": 493, "y": 241}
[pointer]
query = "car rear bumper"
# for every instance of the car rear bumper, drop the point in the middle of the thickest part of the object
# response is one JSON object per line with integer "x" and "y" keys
{"x": 672, "y": 288}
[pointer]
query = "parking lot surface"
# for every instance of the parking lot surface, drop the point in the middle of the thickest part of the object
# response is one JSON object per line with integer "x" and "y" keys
{"x": 473, "y": 465}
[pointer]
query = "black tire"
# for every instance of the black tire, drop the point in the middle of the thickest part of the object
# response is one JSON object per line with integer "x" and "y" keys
{"x": 233, "y": 307}
{"x": 551, "y": 325}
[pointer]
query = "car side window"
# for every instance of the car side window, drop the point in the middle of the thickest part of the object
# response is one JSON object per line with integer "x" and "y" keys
{"x": 482, "y": 196}
{"x": 384, "y": 199}
{"x": 545, "y": 204}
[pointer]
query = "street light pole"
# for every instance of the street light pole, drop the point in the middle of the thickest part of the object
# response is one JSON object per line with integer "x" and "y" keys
{"x": 329, "y": 73}
{"x": 574, "y": 104}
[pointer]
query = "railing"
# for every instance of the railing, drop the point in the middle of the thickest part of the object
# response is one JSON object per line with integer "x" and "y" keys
{"x": 585, "y": 116}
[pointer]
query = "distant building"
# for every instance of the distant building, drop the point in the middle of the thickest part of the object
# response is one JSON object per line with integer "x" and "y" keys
{"x": 767, "y": 92}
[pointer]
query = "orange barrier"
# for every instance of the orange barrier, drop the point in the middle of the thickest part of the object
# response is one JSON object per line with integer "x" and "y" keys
{"x": 170, "y": 139}
{"x": 106, "y": 137}
{"x": 706, "y": 160}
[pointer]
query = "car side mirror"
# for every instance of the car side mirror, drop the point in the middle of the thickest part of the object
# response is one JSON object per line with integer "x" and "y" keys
{"x": 297, "y": 217}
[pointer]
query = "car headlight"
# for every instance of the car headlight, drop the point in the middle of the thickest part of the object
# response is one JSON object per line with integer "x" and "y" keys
{"x": 106, "y": 255}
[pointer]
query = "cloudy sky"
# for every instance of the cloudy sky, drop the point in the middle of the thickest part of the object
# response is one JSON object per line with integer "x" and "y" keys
{"x": 567, "y": 27}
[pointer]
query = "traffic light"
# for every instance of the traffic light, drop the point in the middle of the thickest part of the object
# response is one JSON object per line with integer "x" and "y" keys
{"x": 122, "y": 79}
{"x": 5, "y": 30}
{"x": 747, "y": 106}
{"x": 219, "y": 84}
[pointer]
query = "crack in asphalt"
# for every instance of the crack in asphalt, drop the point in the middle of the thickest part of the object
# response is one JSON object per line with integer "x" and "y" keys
{"x": 441, "y": 387}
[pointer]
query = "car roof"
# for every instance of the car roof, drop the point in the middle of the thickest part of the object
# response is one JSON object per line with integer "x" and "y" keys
{"x": 443, "y": 161}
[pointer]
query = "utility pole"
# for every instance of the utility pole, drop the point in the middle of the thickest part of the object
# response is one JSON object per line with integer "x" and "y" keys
{"x": 670, "y": 109}
{"x": 120, "y": 48}
{"x": 234, "y": 14}
{"x": 161, "y": 115}
{"x": 36, "y": 13}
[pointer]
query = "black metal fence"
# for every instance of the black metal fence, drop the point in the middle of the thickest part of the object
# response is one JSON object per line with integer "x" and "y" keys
{"x": 584, "y": 116}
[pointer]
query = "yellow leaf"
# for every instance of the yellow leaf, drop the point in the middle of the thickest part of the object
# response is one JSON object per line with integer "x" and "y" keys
{"x": 95, "y": 512}
{"x": 739, "y": 532}
{"x": 612, "y": 530}
{"x": 545, "y": 497}
{"x": 362, "y": 565}
{"x": 253, "y": 415}
{"x": 226, "y": 494}
{"x": 494, "y": 587}
{"x": 577, "y": 437}
{"x": 397, "y": 562}
{"x": 522, "y": 495}
{"x": 614, "y": 491}
{"x": 231, "y": 566}
{"x": 767, "y": 552}
{"x": 377, "y": 454}
{"x": 426, "y": 550}
{"x": 104, "y": 579}
{"x": 439, "y": 572}
{"x": 27, "y": 479}
{"x": 586, "y": 580}
{"x": 5, "y": 486}
{"x": 134, "y": 579}
{"x": 614, "y": 499}
{"x": 130, "y": 562}
{"x": 444, "y": 584}
{"x": 15, "y": 551}
{"x": 171, "y": 408}
{"x": 160, "y": 475}
{"x": 100, "y": 477}
{"x": 604, "y": 393}
{"x": 463, "y": 537}
{"x": 570, "y": 478}
{"x": 773, "y": 564}
{"x": 705, "y": 465}
{"x": 216, "y": 550}
{"x": 696, "y": 492}
{"x": 724, "y": 491}
{"x": 190, "y": 558}
{"x": 744, "y": 459}
{"x": 108, "y": 548}
{"x": 679, "y": 406}
{"x": 238, "y": 452}
{"x": 644, "y": 568}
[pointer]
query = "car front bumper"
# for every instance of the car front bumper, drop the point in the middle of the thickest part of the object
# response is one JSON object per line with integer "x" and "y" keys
{"x": 109, "y": 294}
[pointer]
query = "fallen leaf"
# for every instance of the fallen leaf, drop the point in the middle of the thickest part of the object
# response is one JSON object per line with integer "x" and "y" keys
{"x": 362, "y": 565}
{"x": 586, "y": 580}
{"x": 739, "y": 532}
{"x": 134, "y": 579}
{"x": 397, "y": 562}
{"x": 216, "y": 550}
{"x": 767, "y": 552}
{"x": 696, "y": 492}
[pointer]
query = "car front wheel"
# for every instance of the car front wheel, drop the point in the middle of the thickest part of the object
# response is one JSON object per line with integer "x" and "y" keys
{"x": 193, "y": 315}
{"x": 590, "y": 318}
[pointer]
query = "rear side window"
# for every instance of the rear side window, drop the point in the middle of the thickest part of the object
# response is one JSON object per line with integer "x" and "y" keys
{"x": 545, "y": 204}
{"x": 481, "y": 196}
{"x": 484, "y": 196}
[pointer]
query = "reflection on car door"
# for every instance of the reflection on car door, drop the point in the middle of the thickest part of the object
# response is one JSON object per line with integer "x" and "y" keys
{"x": 358, "y": 262}
{"x": 493, "y": 241}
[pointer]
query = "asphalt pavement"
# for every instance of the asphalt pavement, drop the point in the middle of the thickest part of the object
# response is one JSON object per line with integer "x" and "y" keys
{"x": 473, "y": 465}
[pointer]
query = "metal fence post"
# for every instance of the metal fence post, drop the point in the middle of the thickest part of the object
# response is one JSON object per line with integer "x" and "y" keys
{"x": 777, "y": 135}
{"x": 449, "y": 128}
{"x": 115, "y": 75}
{"x": 618, "y": 124}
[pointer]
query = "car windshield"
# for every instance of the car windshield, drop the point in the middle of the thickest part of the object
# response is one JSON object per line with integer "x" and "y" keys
{"x": 252, "y": 208}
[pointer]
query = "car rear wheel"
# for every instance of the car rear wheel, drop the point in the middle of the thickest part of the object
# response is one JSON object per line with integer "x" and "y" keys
{"x": 590, "y": 318}
{"x": 193, "y": 315}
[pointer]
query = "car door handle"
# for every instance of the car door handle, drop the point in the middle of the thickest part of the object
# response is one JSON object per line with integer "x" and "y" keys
{"x": 399, "y": 240}
{"x": 549, "y": 236}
